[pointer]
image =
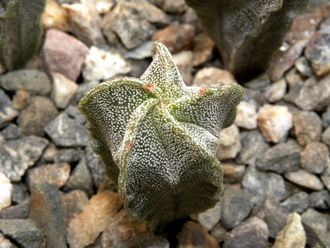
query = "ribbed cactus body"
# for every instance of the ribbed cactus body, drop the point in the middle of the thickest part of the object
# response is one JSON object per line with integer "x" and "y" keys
{"x": 20, "y": 30}
{"x": 158, "y": 138}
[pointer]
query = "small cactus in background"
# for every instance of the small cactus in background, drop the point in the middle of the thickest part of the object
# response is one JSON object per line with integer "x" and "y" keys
{"x": 247, "y": 32}
{"x": 158, "y": 139}
{"x": 20, "y": 31}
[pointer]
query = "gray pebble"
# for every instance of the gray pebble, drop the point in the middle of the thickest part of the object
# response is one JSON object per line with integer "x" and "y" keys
{"x": 11, "y": 132}
{"x": 315, "y": 157}
{"x": 253, "y": 233}
{"x": 7, "y": 112}
{"x": 67, "y": 132}
{"x": 299, "y": 202}
{"x": 33, "y": 81}
{"x": 236, "y": 206}
{"x": 263, "y": 184}
{"x": 281, "y": 158}
{"x": 253, "y": 145}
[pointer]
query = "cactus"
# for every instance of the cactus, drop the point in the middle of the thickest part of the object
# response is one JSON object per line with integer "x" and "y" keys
{"x": 247, "y": 32}
{"x": 20, "y": 31}
{"x": 158, "y": 138}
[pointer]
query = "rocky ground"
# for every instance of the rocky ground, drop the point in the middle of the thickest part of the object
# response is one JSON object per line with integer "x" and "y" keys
{"x": 54, "y": 191}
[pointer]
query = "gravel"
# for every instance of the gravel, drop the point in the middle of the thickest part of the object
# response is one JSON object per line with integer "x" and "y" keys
{"x": 55, "y": 192}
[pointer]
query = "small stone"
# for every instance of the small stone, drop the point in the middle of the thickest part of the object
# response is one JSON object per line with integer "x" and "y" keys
{"x": 274, "y": 122}
{"x": 11, "y": 132}
{"x": 36, "y": 116}
{"x": 128, "y": 23}
{"x": 81, "y": 178}
{"x": 194, "y": 235}
{"x": 148, "y": 240}
{"x": 232, "y": 173}
{"x": 273, "y": 214}
{"x": 19, "y": 211}
{"x": 218, "y": 232}
{"x": 68, "y": 155}
{"x": 63, "y": 90}
{"x": 123, "y": 231}
{"x": 302, "y": 65}
{"x": 103, "y": 6}
{"x": 203, "y": 49}
{"x": 253, "y": 146}
{"x": 66, "y": 131}
{"x": 5, "y": 193}
{"x": 283, "y": 60}
{"x": 176, "y": 38}
{"x": 315, "y": 157}
{"x": 298, "y": 202}
{"x": 304, "y": 25}
{"x": 320, "y": 200}
{"x": 5, "y": 243}
{"x": 292, "y": 235}
{"x": 310, "y": 94}
{"x": 236, "y": 206}
{"x": 307, "y": 127}
{"x": 212, "y": 77}
{"x": 20, "y": 193}
{"x": 326, "y": 136}
{"x": 183, "y": 61}
{"x": 103, "y": 64}
{"x": 84, "y": 22}
{"x": 210, "y": 217}
{"x": 46, "y": 210}
{"x": 140, "y": 52}
{"x": 259, "y": 83}
{"x": 174, "y": 6}
{"x": 326, "y": 178}
{"x": 73, "y": 203}
{"x": 256, "y": 96}
{"x": 317, "y": 228}
{"x": 24, "y": 232}
{"x": 35, "y": 82}
{"x": 318, "y": 53}
{"x": 64, "y": 54}
{"x": 21, "y": 100}
{"x": 262, "y": 184}
{"x": 56, "y": 174}
{"x": 153, "y": 14}
{"x": 304, "y": 179}
{"x": 97, "y": 214}
{"x": 73, "y": 112}
{"x": 54, "y": 16}
{"x": 16, "y": 156}
{"x": 326, "y": 118}
{"x": 253, "y": 233}
{"x": 281, "y": 158}
{"x": 246, "y": 116}
{"x": 276, "y": 91}
{"x": 230, "y": 143}
{"x": 7, "y": 112}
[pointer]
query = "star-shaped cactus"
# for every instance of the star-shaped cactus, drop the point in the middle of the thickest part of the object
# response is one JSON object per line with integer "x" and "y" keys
{"x": 158, "y": 139}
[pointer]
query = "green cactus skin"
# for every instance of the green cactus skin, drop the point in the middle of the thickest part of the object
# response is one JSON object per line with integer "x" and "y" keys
{"x": 158, "y": 138}
{"x": 20, "y": 31}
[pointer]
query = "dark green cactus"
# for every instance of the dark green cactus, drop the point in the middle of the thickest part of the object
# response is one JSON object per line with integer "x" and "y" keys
{"x": 158, "y": 138}
{"x": 20, "y": 31}
{"x": 247, "y": 32}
